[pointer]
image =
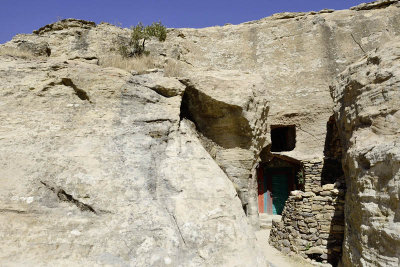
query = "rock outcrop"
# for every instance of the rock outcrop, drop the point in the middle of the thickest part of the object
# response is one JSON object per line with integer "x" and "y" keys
{"x": 97, "y": 167}
{"x": 103, "y": 166}
{"x": 367, "y": 109}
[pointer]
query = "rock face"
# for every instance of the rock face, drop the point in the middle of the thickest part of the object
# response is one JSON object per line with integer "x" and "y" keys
{"x": 367, "y": 98}
{"x": 103, "y": 166}
{"x": 98, "y": 168}
{"x": 229, "y": 110}
{"x": 296, "y": 54}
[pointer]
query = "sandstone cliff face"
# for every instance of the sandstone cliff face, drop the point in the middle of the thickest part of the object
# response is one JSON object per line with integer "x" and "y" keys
{"x": 103, "y": 166}
{"x": 367, "y": 98}
{"x": 98, "y": 168}
{"x": 296, "y": 54}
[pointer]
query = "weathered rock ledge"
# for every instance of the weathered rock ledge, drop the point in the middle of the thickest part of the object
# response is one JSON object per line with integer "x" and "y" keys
{"x": 367, "y": 101}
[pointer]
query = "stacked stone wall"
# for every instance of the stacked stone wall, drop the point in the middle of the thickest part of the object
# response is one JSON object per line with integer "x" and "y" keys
{"x": 312, "y": 175}
{"x": 312, "y": 223}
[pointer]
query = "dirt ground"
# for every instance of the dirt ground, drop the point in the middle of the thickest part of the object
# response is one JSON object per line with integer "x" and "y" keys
{"x": 274, "y": 256}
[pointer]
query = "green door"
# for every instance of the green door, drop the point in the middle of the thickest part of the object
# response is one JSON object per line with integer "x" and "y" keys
{"x": 280, "y": 192}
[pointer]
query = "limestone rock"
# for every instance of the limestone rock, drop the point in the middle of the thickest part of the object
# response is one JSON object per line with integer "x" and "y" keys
{"x": 367, "y": 109}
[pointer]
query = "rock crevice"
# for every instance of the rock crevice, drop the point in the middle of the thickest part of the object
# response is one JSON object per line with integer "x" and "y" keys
{"x": 63, "y": 196}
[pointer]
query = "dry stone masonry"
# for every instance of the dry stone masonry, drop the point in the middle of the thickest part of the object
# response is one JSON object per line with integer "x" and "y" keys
{"x": 312, "y": 176}
{"x": 312, "y": 224}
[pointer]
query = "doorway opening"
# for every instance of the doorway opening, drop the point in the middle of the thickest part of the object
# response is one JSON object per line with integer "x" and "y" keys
{"x": 276, "y": 179}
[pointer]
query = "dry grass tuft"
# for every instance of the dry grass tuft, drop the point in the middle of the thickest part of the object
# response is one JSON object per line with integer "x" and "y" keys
{"x": 139, "y": 64}
{"x": 16, "y": 52}
{"x": 173, "y": 69}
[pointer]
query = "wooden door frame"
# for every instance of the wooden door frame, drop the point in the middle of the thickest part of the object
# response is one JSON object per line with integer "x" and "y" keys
{"x": 288, "y": 171}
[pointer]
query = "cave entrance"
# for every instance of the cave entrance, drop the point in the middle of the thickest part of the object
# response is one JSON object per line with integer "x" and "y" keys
{"x": 276, "y": 179}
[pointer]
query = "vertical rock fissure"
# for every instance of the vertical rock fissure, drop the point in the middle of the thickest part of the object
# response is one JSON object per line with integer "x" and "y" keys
{"x": 332, "y": 168}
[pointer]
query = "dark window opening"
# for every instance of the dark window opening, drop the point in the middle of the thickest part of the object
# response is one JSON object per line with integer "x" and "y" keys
{"x": 283, "y": 138}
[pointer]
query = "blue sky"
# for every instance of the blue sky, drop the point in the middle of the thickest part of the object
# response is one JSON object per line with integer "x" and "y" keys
{"x": 24, "y": 16}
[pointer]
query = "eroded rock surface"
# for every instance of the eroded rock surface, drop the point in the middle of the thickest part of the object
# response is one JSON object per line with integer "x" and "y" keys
{"x": 367, "y": 97}
{"x": 102, "y": 166}
{"x": 229, "y": 109}
{"x": 97, "y": 168}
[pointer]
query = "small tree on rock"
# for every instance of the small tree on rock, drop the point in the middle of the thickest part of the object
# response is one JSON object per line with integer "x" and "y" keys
{"x": 139, "y": 35}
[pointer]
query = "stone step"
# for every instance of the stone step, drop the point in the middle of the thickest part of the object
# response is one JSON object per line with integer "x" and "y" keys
{"x": 265, "y": 225}
{"x": 265, "y": 220}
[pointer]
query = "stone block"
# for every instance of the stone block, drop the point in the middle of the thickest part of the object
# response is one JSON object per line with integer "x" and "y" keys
{"x": 303, "y": 230}
{"x": 316, "y": 190}
{"x": 310, "y": 220}
{"x": 301, "y": 248}
{"x": 301, "y": 224}
{"x": 301, "y": 242}
{"x": 321, "y": 198}
{"x": 309, "y": 194}
{"x": 328, "y": 187}
{"x": 335, "y": 192}
{"x": 313, "y": 230}
{"x": 326, "y": 193}
{"x": 316, "y": 207}
{"x": 324, "y": 228}
{"x": 296, "y": 193}
{"x": 315, "y": 250}
{"x": 306, "y": 214}
{"x": 285, "y": 243}
{"x": 324, "y": 236}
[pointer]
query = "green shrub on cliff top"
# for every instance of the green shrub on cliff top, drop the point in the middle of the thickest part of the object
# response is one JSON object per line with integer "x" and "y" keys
{"x": 139, "y": 34}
